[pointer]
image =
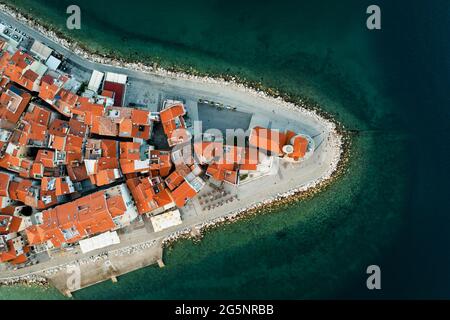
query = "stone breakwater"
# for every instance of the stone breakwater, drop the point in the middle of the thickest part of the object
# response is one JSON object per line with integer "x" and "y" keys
{"x": 133, "y": 249}
{"x": 180, "y": 234}
{"x": 79, "y": 262}
{"x": 30, "y": 280}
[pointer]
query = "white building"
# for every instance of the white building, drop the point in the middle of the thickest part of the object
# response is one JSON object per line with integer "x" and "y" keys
{"x": 40, "y": 50}
{"x": 101, "y": 241}
{"x": 96, "y": 80}
{"x": 166, "y": 220}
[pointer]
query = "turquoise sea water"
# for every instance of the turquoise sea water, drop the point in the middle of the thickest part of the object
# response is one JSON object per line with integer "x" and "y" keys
{"x": 385, "y": 84}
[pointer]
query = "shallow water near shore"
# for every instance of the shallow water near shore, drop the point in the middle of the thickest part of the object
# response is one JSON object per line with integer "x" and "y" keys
{"x": 316, "y": 248}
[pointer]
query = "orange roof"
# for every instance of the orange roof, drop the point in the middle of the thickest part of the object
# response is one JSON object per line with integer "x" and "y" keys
{"x": 65, "y": 101}
{"x": 183, "y": 193}
{"x": 48, "y": 88}
{"x": 231, "y": 177}
{"x": 105, "y": 173}
{"x": 107, "y": 163}
{"x": 149, "y": 193}
{"x": 125, "y": 127}
{"x": 108, "y": 93}
{"x": 10, "y": 162}
{"x": 300, "y": 145}
{"x": 140, "y": 131}
{"x": 45, "y": 183}
{"x": 37, "y": 170}
{"x": 25, "y": 192}
{"x": 58, "y": 142}
{"x": 30, "y": 75}
{"x": 12, "y": 189}
{"x": 3, "y": 81}
{"x": 73, "y": 143}
{"x": 25, "y": 167}
{"x": 72, "y": 221}
{"x": 77, "y": 172}
{"x": 15, "y": 70}
{"x": 61, "y": 186}
{"x": 250, "y": 161}
{"x": 38, "y": 115}
{"x": 67, "y": 97}
{"x": 267, "y": 139}
{"x": 116, "y": 206}
{"x": 73, "y": 157}
{"x": 160, "y": 160}
{"x": 109, "y": 148}
{"x": 130, "y": 150}
{"x": 177, "y": 136}
{"x": 59, "y": 127}
{"x": 9, "y": 223}
{"x": 104, "y": 126}
{"x": 127, "y": 166}
{"x": 21, "y": 59}
{"x": 13, "y": 103}
{"x": 139, "y": 116}
{"x": 23, "y": 134}
{"x": 172, "y": 113}
{"x": 4, "y": 181}
{"x": 172, "y": 119}
{"x": 11, "y": 255}
{"x": 21, "y": 258}
{"x": 35, "y": 235}
{"x": 87, "y": 111}
{"x": 46, "y": 158}
{"x": 214, "y": 171}
{"x": 174, "y": 180}
{"x": 15, "y": 223}
{"x": 77, "y": 128}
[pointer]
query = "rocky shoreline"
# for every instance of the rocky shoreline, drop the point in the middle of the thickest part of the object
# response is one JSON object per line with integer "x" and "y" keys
{"x": 27, "y": 281}
{"x": 340, "y": 138}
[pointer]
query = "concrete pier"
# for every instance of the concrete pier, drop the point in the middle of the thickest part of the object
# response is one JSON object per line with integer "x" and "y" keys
{"x": 195, "y": 232}
{"x": 67, "y": 293}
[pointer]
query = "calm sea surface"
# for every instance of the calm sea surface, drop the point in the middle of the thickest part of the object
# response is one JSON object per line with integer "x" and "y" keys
{"x": 392, "y": 206}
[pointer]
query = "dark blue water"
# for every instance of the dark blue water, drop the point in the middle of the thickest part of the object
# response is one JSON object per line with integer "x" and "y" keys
{"x": 416, "y": 59}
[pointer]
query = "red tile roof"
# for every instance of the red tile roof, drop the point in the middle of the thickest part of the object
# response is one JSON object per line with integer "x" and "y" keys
{"x": 267, "y": 139}
{"x": 149, "y": 193}
{"x": 183, "y": 193}
{"x": 16, "y": 98}
{"x": 72, "y": 221}
{"x": 174, "y": 180}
